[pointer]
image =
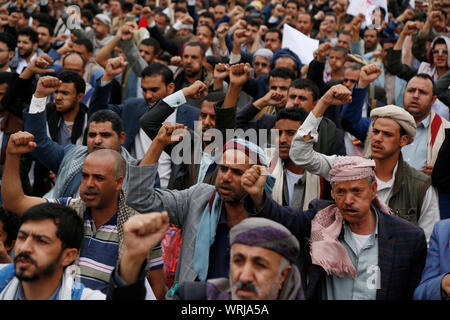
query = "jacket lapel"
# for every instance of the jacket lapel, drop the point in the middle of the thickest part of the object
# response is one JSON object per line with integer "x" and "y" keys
{"x": 386, "y": 244}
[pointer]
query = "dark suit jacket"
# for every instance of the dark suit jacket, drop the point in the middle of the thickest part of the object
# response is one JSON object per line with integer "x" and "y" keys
{"x": 132, "y": 110}
{"x": 185, "y": 175}
{"x": 331, "y": 138}
{"x": 402, "y": 249}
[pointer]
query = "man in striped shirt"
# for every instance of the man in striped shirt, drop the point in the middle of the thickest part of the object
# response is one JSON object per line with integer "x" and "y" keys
{"x": 102, "y": 206}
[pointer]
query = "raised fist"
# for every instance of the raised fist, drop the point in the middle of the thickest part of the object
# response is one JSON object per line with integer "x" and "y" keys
{"x": 114, "y": 67}
{"x": 176, "y": 61}
{"x": 21, "y": 142}
{"x": 253, "y": 181}
{"x": 46, "y": 86}
{"x": 239, "y": 74}
{"x": 410, "y": 28}
{"x": 323, "y": 51}
{"x": 170, "y": 133}
{"x": 39, "y": 65}
{"x": 221, "y": 71}
{"x": 197, "y": 90}
{"x": 369, "y": 73}
{"x": 337, "y": 95}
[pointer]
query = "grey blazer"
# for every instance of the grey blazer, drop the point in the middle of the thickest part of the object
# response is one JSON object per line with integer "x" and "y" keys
{"x": 185, "y": 208}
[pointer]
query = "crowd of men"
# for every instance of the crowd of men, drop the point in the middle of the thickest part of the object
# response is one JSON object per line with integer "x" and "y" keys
{"x": 158, "y": 149}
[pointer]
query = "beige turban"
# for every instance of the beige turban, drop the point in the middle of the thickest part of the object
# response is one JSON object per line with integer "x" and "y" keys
{"x": 399, "y": 115}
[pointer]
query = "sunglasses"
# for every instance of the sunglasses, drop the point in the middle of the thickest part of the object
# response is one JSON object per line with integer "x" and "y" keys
{"x": 262, "y": 64}
{"x": 444, "y": 51}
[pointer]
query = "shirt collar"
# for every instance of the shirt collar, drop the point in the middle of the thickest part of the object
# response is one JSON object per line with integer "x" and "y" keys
{"x": 375, "y": 232}
{"x": 425, "y": 122}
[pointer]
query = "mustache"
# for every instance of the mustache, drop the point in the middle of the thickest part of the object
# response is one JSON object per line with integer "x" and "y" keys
{"x": 26, "y": 257}
{"x": 246, "y": 286}
{"x": 349, "y": 207}
{"x": 226, "y": 185}
{"x": 90, "y": 190}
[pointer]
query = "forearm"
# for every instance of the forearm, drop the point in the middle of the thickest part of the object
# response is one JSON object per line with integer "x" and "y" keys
{"x": 131, "y": 52}
{"x": 105, "y": 53}
{"x": 121, "y": 289}
{"x": 232, "y": 96}
{"x": 400, "y": 41}
{"x": 302, "y": 152}
{"x": 13, "y": 197}
{"x": 153, "y": 153}
{"x": 47, "y": 151}
{"x": 351, "y": 113}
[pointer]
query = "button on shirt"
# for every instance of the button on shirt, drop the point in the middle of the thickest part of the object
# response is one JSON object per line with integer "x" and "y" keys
{"x": 365, "y": 261}
{"x": 415, "y": 153}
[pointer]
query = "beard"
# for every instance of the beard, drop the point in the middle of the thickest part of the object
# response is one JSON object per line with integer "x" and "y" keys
{"x": 26, "y": 54}
{"x": 40, "y": 272}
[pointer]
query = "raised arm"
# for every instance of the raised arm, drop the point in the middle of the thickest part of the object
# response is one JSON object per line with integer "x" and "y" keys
{"x": 131, "y": 51}
{"x": 20, "y": 89}
{"x": 47, "y": 151}
{"x": 13, "y": 196}
{"x": 141, "y": 234}
{"x": 302, "y": 152}
{"x": 351, "y": 113}
{"x": 141, "y": 193}
{"x": 102, "y": 92}
{"x": 152, "y": 121}
{"x": 394, "y": 63}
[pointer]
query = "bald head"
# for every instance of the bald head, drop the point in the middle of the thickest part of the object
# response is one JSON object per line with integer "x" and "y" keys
{"x": 74, "y": 62}
{"x": 120, "y": 164}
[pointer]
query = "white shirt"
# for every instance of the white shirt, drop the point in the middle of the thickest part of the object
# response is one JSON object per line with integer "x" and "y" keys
{"x": 142, "y": 141}
{"x": 141, "y": 144}
{"x": 23, "y": 63}
{"x": 360, "y": 241}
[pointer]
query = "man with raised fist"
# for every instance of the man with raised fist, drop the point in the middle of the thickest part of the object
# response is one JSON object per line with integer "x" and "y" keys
{"x": 101, "y": 204}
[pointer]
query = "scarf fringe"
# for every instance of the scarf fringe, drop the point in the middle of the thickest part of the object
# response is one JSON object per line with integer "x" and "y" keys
{"x": 337, "y": 268}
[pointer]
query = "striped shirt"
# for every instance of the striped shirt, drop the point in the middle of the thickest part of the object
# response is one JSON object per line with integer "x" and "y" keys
{"x": 100, "y": 250}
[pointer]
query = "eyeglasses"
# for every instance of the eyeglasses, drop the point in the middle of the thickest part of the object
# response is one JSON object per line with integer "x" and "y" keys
{"x": 443, "y": 51}
{"x": 262, "y": 64}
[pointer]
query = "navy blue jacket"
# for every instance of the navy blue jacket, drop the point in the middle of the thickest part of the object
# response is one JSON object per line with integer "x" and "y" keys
{"x": 132, "y": 110}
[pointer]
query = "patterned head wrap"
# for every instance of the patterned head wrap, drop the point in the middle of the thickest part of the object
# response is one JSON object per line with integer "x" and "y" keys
{"x": 351, "y": 168}
{"x": 265, "y": 233}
